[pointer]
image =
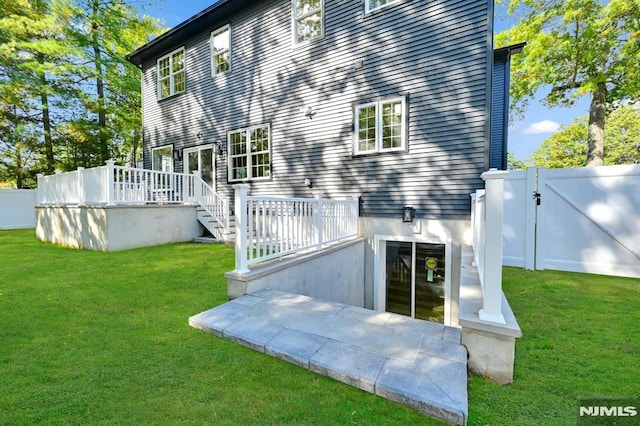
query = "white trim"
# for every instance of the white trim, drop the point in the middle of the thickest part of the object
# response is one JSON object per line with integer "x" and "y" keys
{"x": 213, "y": 55}
{"x": 248, "y": 154}
{"x": 172, "y": 74}
{"x": 379, "y": 271}
{"x": 378, "y": 126}
{"x": 295, "y": 19}
{"x": 368, "y": 9}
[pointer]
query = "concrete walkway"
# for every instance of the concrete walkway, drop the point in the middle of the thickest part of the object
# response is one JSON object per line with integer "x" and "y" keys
{"x": 413, "y": 362}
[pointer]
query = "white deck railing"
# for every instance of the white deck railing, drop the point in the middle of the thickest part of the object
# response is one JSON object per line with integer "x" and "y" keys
{"x": 272, "y": 227}
{"x": 116, "y": 185}
{"x": 478, "y": 200}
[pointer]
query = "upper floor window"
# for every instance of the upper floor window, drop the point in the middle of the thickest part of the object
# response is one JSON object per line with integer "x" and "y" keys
{"x": 221, "y": 50}
{"x": 249, "y": 153}
{"x": 380, "y": 126}
{"x": 307, "y": 19}
{"x": 171, "y": 79}
{"x": 371, "y": 5}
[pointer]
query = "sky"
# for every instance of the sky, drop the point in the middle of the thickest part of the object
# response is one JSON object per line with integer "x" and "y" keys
{"x": 525, "y": 135}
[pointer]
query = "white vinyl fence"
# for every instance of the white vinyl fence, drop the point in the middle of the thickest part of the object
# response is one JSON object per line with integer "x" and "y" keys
{"x": 17, "y": 208}
{"x": 581, "y": 220}
{"x": 269, "y": 227}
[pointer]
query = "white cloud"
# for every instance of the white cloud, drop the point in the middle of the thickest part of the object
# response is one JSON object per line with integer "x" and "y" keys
{"x": 542, "y": 127}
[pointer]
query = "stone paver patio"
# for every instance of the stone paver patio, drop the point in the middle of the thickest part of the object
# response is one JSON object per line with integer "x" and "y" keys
{"x": 413, "y": 362}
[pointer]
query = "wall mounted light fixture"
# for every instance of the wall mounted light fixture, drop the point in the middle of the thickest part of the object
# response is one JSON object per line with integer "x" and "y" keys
{"x": 177, "y": 154}
{"x": 408, "y": 213}
{"x": 307, "y": 182}
{"x": 220, "y": 148}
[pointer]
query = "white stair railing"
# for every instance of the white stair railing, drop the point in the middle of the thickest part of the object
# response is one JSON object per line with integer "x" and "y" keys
{"x": 216, "y": 205}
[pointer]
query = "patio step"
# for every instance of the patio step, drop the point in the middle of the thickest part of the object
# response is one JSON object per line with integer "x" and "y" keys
{"x": 416, "y": 363}
{"x": 215, "y": 229}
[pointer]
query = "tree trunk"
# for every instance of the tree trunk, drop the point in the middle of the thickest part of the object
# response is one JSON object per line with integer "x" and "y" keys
{"x": 97, "y": 60}
{"x": 597, "y": 116}
{"x": 46, "y": 124}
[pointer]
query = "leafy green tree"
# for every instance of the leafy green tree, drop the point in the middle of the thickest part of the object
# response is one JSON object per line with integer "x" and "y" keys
{"x": 513, "y": 163}
{"x": 568, "y": 146}
{"x": 575, "y": 48}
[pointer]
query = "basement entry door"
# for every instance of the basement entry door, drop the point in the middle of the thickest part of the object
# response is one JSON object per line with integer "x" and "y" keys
{"x": 415, "y": 278}
{"x": 201, "y": 158}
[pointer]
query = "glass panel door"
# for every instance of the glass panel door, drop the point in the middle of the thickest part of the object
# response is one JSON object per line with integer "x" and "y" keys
{"x": 399, "y": 270}
{"x": 201, "y": 158}
{"x": 415, "y": 280}
{"x": 429, "y": 282}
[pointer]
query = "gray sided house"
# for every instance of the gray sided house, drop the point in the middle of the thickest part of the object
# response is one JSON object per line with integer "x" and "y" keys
{"x": 397, "y": 101}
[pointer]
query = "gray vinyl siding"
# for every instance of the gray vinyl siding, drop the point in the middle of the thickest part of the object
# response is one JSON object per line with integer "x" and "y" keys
{"x": 434, "y": 53}
{"x": 498, "y": 127}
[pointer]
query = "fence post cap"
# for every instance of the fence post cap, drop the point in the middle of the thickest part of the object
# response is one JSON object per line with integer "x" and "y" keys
{"x": 494, "y": 174}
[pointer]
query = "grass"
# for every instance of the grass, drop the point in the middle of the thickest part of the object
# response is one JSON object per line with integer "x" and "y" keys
{"x": 102, "y": 338}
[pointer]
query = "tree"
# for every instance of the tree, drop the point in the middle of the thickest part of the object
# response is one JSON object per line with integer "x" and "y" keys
{"x": 576, "y": 48}
{"x": 513, "y": 163}
{"x": 568, "y": 146}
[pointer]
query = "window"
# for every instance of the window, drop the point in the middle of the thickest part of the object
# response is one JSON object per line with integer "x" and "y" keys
{"x": 161, "y": 159}
{"x": 307, "y": 19}
{"x": 249, "y": 153}
{"x": 171, "y": 80}
{"x": 221, "y": 51}
{"x": 371, "y": 5}
{"x": 380, "y": 126}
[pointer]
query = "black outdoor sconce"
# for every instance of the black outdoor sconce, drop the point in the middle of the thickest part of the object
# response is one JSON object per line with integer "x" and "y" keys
{"x": 408, "y": 213}
{"x": 177, "y": 154}
{"x": 220, "y": 148}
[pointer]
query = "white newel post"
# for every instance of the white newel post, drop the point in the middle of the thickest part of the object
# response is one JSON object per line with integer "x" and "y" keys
{"x": 492, "y": 292}
{"x": 110, "y": 182}
{"x": 81, "y": 188}
{"x": 39, "y": 189}
{"x": 318, "y": 196}
{"x": 197, "y": 186}
{"x": 356, "y": 213}
{"x": 241, "y": 192}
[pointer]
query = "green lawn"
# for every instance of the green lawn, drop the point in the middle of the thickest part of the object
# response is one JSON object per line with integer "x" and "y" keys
{"x": 102, "y": 338}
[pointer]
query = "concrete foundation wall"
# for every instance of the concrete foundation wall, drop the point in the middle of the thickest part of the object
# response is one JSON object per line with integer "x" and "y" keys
{"x": 116, "y": 228}
{"x": 336, "y": 274}
{"x": 456, "y": 231}
{"x": 17, "y": 208}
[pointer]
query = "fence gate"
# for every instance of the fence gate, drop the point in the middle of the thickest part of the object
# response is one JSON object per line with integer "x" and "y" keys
{"x": 580, "y": 220}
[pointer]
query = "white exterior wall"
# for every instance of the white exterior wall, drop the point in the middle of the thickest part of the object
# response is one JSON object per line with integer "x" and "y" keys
{"x": 116, "y": 228}
{"x": 17, "y": 208}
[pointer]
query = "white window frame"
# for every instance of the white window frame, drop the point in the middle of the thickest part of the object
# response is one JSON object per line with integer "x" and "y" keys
{"x": 227, "y": 29}
{"x": 248, "y": 154}
{"x": 368, "y": 8}
{"x": 378, "y": 127}
{"x": 297, "y": 18}
{"x": 379, "y": 266}
{"x": 172, "y": 75}
{"x": 170, "y": 163}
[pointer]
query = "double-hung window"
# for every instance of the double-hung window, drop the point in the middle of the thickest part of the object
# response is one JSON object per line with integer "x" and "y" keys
{"x": 380, "y": 126}
{"x": 171, "y": 70}
{"x": 249, "y": 153}
{"x": 221, "y": 50}
{"x": 371, "y": 5}
{"x": 307, "y": 19}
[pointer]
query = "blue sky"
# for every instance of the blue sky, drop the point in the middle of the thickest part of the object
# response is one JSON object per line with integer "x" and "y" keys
{"x": 525, "y": 135}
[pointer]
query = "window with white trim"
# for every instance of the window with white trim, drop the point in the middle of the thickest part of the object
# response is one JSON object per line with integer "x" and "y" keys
{"x": 380, "y": 126}
{"x": 171, "y": 74}
{"x": 162, "y": 159}
{"x": 221, "y": 50}
{"x": 249, "y": 153}
{"x": 371, "y": 5}
{"x": 307, "y": 20}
